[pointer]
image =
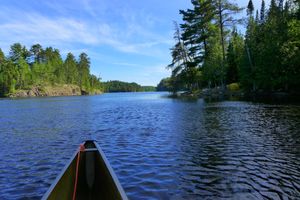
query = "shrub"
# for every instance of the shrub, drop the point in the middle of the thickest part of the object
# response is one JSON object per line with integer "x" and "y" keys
{"x": 233, "y": 87}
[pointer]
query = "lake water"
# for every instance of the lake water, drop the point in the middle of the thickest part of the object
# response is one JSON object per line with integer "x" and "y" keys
{"x": 160, "y": 148}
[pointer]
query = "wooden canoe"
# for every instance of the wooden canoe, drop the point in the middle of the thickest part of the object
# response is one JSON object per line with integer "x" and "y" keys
{"x": 95, "y": 178}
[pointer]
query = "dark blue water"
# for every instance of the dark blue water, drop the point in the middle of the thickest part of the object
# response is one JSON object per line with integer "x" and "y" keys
{"x": 160, "y": 148}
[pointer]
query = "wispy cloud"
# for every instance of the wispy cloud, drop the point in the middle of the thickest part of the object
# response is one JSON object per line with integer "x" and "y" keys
{"x": 125, "y": 64}
{"x": 31, "y": 27}
{"x": 115, "y": 34}
{"x": 35, "y": 28}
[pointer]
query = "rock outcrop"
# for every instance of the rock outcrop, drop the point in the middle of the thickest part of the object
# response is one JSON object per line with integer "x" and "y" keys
{"x": 56, "y": 90}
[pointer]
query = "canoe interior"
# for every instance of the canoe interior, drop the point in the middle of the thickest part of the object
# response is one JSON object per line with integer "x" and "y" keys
{"x": 95, "y": 180}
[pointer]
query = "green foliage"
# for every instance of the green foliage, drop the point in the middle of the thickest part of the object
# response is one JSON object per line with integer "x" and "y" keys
{"x": 290, "y": 51}
{"x": 83, "y": 67}
{"x": 235, "y": 52}
{"x": 18, "y": 51}
{"x": 164, "y": 85}
{"x": 24, "y": 78}
{"x": 119, "y": 86}
{"x": 24, "y": 69}
{"x": 148, "y": 89}
{"x": 2, "y": 57}
{"x": 266, "y": 59}
{"x": 197, "y": 29}
{"x": 233, "y": 87}
{"x": 70, "y": 69}
{"x": 212, "y": 67}
{"x": 8, "y": 77}
{"x": 181, "y": 60}
{"x": 199, "y": 55}
{"x": 262, "y": 11}
{"x": 224, "y": 18}
{"x": 250, "y": 8}
{"x": 273, "y": 48}
{"x": 36, "y": 52}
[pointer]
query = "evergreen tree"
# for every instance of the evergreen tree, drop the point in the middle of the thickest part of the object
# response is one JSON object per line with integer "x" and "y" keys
{"x": 262, "y": 11}
{"x": 18, "y": 51}
{"x": 164, "y": 85}
{"x": 197, "y": 29}
{"x": 83, "y": 67}
{"x": 37, "y": 67}
{"x": 70, "y": 69}
{"x": 212, "y": 67}
{"x": 267, "y": 60}
{"x": 24, "y": 74}
{"x": 234, "y": 57}
{"x": 250, "y": 8}
{"x": 2, "y": 60}
{"x": 2, "y": 57}
{"x": 249, "y": 71}
{"x": 180, "y": 59}
{"x": 8, "y": 77}
{"x": 36, "y": 52}
{"x": 225, "y": 10}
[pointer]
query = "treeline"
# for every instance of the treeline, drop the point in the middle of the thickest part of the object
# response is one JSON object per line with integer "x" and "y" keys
{"x": 210, "y": 52}
{"x": 119, "y": 86}
{"x": 24, "y": 68}
{"x": 166, "y": 85}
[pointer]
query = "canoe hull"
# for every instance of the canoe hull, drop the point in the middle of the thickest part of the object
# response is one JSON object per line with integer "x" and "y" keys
{"x": 96, "y": 179}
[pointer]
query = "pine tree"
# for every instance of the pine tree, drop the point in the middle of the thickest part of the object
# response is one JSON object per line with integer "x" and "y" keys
{"x": 234, "y": 57}
{"x": 262, "y": 11}
{"x": 24, "y": 74}
{"x": 23, "y": 69}
{"x": 18, "y": 51}
{"x": 2, "y": 57}
{"x": 225, "y": 10}
{"x": 180, "y": 59}
{"x": 250, "y": 8}
{"x": 70, "y": 69}
{"x": 83, "y": 67}
{"x": 197, "y": 29}
{"x": 36, "y": 53}
{"x": 280, "y": 5}
{"x": 8, "y": 77}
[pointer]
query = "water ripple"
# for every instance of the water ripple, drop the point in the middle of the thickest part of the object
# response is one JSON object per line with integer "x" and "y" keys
{"x": 160, "y": 148}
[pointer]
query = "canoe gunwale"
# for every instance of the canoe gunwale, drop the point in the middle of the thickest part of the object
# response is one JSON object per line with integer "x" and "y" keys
{"x": 49, "y": 191}
{"x": 112, "y": 173}
{"x": 106, "y": 162}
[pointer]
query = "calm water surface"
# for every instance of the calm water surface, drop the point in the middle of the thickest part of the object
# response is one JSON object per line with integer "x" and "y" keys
{"x": 159, "y": 148}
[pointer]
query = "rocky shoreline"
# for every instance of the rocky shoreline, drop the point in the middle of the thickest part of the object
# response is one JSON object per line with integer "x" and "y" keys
{"x": 219, "y": 94}
{"x": 56, "y": 90}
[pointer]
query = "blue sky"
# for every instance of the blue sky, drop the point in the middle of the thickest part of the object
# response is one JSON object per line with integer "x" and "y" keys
{"x": 126, "y": 40}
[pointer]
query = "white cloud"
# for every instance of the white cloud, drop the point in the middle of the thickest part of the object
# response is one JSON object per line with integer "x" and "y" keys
{"x": 86, "y": 26}
{"x": 35, "y": 28}
{"x": 31, "y": 27}
{"x": 125, "y": 64}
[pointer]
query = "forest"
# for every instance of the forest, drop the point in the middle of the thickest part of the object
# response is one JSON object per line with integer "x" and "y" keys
{"x": 211, "y": 50}
{"x": 119, "y": 86}
{"x": 24, "y": 68}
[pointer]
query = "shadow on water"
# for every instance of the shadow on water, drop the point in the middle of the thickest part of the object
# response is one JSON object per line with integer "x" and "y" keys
{"x": 266, "y": 99}
{"x": 239, "y": 150}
